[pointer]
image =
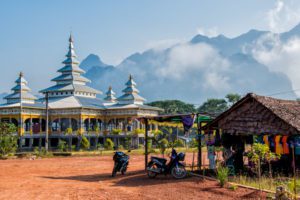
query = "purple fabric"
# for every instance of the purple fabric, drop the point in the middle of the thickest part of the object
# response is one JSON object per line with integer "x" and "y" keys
{"x": 188, "y": 122}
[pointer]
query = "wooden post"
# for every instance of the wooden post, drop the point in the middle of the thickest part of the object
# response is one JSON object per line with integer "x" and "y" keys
{"x": 199, "y": 128}
{"x": 294, "y": 172}
{"x": 146, "y": 143}
{"x": 47, "y": 122}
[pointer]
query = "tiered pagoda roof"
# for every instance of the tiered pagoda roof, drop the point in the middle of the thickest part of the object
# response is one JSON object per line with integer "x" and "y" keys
{"x": 71, "y": 82}
{"x": 110, "y": 95}
{"x": 131, "y": 94}
{"x": 21, "y": 92}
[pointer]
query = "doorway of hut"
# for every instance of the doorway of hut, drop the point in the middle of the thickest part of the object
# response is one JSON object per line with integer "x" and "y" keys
{"x": 236, "y": 149}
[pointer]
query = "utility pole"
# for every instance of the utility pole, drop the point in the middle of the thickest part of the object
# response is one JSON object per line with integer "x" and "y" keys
{"x": 146, "y": 142}
{"x": 21, "y": 108}
{"x": 199, "y": 129}
{"x": 47, "y": 122}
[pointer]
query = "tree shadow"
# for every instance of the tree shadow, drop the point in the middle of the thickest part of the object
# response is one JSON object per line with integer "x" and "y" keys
{"x": 144, "y": 180}
{"x": 93, "y": 177}
{"x": 131, "y": 179}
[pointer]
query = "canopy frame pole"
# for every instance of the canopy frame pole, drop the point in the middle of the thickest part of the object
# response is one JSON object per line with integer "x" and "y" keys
{"x": 199, "y": 130}
{"x": 146, "y": 143}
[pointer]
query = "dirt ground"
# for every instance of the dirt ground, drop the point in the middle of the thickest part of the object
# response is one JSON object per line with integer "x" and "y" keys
{"x": 90, "y": 178}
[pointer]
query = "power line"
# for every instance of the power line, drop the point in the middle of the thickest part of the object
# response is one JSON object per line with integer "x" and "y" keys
{"x": 283, "y": 92}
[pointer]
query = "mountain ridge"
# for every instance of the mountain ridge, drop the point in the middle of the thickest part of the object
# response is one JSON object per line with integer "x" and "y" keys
{"x": 220, "y": 64}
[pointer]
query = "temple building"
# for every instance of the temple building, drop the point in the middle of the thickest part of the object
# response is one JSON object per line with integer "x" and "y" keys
{"x": 74, "y": 108}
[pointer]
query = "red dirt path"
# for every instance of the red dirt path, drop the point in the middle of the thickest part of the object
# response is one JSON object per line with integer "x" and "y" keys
{"x": 89, "y": 178}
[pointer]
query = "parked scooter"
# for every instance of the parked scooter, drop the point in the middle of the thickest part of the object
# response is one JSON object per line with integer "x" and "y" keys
{"x": 175, "y": 167}
{"x": 121, "y": 163}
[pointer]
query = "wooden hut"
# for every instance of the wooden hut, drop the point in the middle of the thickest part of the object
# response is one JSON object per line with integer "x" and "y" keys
{"x": 256, "y": 115}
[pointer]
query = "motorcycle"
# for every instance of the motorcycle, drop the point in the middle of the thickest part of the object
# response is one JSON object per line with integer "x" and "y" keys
{"x": 121, "y": 161}
{"x": 175, "y": 167}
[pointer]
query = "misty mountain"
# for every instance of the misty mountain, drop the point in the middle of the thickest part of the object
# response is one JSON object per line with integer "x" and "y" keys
{"x": 92, "y": 61}
{"x": 204, "y": 67}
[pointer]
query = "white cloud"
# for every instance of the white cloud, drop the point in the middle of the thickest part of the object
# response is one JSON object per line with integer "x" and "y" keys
{"x": 209, "y": 32}
{"x": 284, "y": 15}
{"x": 281, "y": 57}
{"x": 187, "y": 61}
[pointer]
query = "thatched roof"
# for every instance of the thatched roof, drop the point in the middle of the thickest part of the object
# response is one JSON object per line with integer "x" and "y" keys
{"x": 286, "y": 112}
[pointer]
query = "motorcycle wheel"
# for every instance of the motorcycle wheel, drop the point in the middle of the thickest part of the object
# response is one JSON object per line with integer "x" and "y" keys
{"x": 114, "y": 172}
{"x": 179, "y": 172}
{"x": 123, "y": 172}
{"x": 150, "y": 173}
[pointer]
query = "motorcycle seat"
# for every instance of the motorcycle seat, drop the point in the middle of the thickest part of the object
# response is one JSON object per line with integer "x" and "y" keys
{"x": 162, "y": 160}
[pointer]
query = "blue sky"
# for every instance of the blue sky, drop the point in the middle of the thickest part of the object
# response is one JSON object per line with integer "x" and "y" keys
{"x": 33, "y": 34}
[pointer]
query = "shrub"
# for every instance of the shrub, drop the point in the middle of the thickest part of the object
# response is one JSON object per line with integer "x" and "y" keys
{"x": 120, "y": 147}
{"x": 127, "y": 143}
{"x": 141, "y": 146}
{"x": 193, "y": 143}
{"x": 222, "y": 175}
{"x": 233, "y": 187}
{"x": 69, "y": 131}
{"x": 163, "y": 144}
{"x": 99, "y": 146}
{"x": 36, "y": 151}
{"x": 149, "y": 143}
{"x": 41, "y": 152}
{"x": 97, "y": 129}
{"x": 8, "y": 142}
{"x": 79, "y": 133}
{"x": 179, "y": 143}
{"x": 116, "y": 131}
{"x": 84, "y": 143}
{"x": 138, "y": 131}
{"x": 62, "y": 145}
{"x": 109, "y": 145}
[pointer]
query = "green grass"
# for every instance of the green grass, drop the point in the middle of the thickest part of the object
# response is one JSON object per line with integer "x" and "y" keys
{"x": 266, "y": 183}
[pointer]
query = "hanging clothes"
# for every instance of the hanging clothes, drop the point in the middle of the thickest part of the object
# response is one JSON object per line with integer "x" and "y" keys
{"x": 272, "y": 143}
{"x": 266, "y": 140}
{"x": 285, "y": 145}
{"x": 188, "y": 122}
{"x": 278, "y": 145}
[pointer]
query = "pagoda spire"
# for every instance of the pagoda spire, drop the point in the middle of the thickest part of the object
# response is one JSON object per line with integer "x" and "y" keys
{"x": 71, "y": 81}
{"x": 131, "y": 93}
{"x": 110, "y": 95}
{"x": 21, "y": 92}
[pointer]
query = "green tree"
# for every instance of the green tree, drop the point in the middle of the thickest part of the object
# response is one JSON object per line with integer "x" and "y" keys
{"x": 232, "y": 98}
{"x": 213, "y": 106}
{"x": 8, "y": 141}
{"x": 84, "y": 143}
{"x": 174, "y": 106}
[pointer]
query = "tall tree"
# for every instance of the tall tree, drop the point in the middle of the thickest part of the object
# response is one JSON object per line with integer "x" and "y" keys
{"x": 8, "y": 141}
{"x": 232, "y": 98}
{"x": 174, "y": 106}
{"x": 213, "y": 106}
